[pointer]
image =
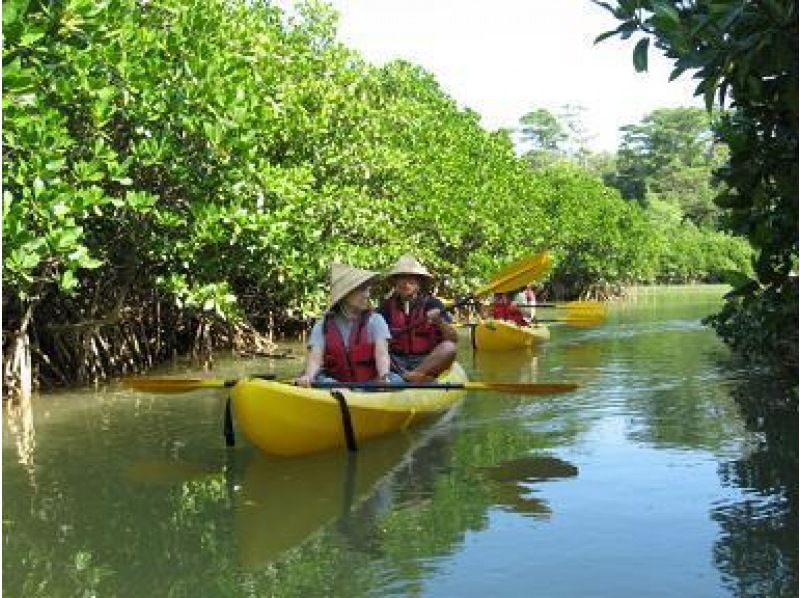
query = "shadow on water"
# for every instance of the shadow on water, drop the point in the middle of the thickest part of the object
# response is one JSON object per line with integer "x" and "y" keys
{"x": 757, "y": 550}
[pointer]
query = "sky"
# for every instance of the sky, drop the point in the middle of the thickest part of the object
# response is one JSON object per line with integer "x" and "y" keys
{"x": 503, "y": 58}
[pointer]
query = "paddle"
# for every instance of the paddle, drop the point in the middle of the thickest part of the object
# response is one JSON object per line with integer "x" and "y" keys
{"x": 583, "y": 314}
{"x": 594, "y": 306}
{"x": 578, "y": 313}
{"x": 179, "y": 385}
{"x": 518, "y": 274}
{"x": 176, "y": 385}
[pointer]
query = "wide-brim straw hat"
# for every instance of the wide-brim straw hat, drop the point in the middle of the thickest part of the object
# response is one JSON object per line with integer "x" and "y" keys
{"x": 345, "y": 279}
{"x": 408, "y": 265}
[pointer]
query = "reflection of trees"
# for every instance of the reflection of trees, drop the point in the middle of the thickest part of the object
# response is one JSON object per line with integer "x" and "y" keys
{"x": 432, "y": 516}
{"x": 757, "y": 549}
{"x": 511, "y": 479}
{"x": 669, "y": 378}
{"x": 19, "y": 418}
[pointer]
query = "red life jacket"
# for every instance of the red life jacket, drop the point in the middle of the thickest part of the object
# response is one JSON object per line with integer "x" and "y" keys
{"x": 504, "y": 310}
{"x": 354, "y": 363}
{"x": 419, "y": 341}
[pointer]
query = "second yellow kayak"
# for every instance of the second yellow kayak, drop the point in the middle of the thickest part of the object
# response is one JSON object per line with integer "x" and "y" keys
{"x": 499, "y": 335}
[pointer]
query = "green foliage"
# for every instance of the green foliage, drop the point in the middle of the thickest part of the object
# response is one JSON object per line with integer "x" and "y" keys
{"x": 670, "y": 156}
{"x": 554, "y": 137}
{"x": 744, "y": 55}
{"x": 217, "y": 157}
{"x": 543, "y": 130}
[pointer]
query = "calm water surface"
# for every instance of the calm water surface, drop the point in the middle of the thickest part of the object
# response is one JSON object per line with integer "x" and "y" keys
{"x": 659, "y": 477}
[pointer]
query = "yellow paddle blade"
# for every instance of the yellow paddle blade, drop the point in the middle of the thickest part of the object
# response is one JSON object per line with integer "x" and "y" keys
{"x": 174, "y": 385}
{"x": 584, "y": 320}
{"x": 578, "y": 313}
{"x": 525, "y": 263}
{"x": 523, "y": 389}
{"x": 517, "y": 275}
{"x": 575, "y": 306}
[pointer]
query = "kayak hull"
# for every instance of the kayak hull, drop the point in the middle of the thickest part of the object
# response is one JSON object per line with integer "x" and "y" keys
{"x": 282, "y": 419}
{"x": 499, "y": 335}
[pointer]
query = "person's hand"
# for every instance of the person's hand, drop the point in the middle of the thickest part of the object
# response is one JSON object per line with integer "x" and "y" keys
{"x": 304, "y": 380}
{"x": 434, "y": 316}
{"x": 385, "y": 379}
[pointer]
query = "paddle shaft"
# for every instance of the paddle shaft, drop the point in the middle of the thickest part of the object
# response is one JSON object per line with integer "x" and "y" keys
{"x": 511, "y": 387}
{"x": 578, "y": 306}
{"x": 172, "y": 386}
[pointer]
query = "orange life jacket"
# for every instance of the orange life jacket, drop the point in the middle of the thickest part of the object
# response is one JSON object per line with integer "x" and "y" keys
{"x": 420, "y": 340}
{"x": 354, "y": 363}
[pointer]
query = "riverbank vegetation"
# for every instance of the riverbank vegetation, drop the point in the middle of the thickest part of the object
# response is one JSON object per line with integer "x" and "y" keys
{"x": 179, "y": 176}
{"x": 744, "y": 56}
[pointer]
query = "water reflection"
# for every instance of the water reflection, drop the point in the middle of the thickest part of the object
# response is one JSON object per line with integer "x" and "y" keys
{"x": 319, "y": 489}
{"x": 518, "y": 366}
{"x": 19, "y": 417}
{"x": 757, "y": 548}
{"x": 512, "y": 482}
{"x": 137, "y": 495}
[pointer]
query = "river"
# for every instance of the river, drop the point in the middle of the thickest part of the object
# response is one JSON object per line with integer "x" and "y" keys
{"x": 661, "y": 476}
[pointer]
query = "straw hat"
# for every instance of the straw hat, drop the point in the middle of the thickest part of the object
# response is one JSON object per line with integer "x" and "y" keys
{"x": 345, "y": 279}
{"x": 407, "y": 264}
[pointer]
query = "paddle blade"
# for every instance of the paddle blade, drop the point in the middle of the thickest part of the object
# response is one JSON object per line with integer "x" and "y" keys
{"x": 584, "y": 320}
{"x": 583, "y": 314}
{"x": 517, "y": 275}
{"x": 174, "y": 385}
{"x": 523, "y": 388}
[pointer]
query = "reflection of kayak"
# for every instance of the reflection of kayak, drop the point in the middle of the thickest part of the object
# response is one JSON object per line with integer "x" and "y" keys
{"x": 316, "y": 490}
{"x": 499, "y": 335}
{"x": 520, "y": 366}
{"x": 282, "y": 419}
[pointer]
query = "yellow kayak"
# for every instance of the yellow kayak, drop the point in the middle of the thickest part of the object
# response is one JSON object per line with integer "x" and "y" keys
{"x": 282, "y": 419}
{"x": 500, "y": 335}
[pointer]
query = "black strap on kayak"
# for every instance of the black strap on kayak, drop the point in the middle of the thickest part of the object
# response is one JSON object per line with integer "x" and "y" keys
{"x": 347, "y": 422}
{"x": 227, "y": 426}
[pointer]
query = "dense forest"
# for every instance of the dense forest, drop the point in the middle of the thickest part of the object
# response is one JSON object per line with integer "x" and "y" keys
{"x": 179, "y": 175}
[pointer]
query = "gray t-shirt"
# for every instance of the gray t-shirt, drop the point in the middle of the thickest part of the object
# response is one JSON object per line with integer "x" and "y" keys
{"x": 377, "y": 330}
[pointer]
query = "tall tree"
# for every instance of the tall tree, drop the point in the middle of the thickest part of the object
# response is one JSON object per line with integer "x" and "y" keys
{"x": 543, "y": 130}
{"x": 670, "y": 157}
{"x": 555, "y": 136}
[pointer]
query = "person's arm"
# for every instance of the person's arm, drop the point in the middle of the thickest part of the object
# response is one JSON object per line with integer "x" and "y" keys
{"x": 313, "y": 366}
{"x": 380, "y": 335}
{"x": 382, "y": 361}
{"x": 437, "y": 316}
{"x": 314, "y": 358}
{"x": 449, "y": 332}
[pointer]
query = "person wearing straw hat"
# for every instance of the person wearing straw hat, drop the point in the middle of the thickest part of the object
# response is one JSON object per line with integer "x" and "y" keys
{"x": 423, "y": 341}
{"x": 350, "y": 343}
